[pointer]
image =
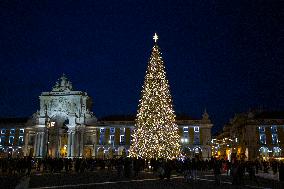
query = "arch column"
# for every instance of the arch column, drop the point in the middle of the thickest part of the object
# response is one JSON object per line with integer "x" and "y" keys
{"x": 71, "y": 140}
{"x": 39, "y": 144}
{"x": 36, "y": 144}
{"x": 26, "y": 153}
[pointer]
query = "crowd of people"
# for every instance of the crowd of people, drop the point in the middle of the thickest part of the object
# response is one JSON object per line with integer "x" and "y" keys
{"x": 131, "y": 167}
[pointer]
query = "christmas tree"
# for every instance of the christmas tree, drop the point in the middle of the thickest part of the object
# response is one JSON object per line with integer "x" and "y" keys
{"x": 156, "y": 133}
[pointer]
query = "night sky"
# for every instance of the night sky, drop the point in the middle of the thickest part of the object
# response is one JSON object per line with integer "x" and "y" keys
{"x": 224, "y": 56}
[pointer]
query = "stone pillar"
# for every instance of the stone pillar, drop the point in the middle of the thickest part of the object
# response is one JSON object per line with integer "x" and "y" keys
{"x": 94, "y": 143}
{"x": 70, "y": 147}
{"x": 41, "y": 144}
{"x": 81, "y": 143}
{"x": 26, "y": 153}
{"x": 72, "y": 143}
{"x": 77, "y": 145}
{"x": 36, "y": 145}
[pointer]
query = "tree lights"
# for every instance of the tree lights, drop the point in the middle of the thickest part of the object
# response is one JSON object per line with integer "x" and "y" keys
{"x": 156, "y": 133}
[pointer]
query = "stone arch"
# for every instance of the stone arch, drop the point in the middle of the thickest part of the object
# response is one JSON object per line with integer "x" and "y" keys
{"x": 276, "y": 151}
{"x": 122, "y": 151}
{"x": 186, "y": 151}
{"x": 88, "y": 151}
{"x": 111, "y": 152}
{"x": 197, "y": 152}
{"x": 57, "y": 135}
{"x": 264, "y": 152}
{"x": 101, "y": 153}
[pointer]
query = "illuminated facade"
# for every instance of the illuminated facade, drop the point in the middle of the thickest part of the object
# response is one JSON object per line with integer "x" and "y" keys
{"x": 252, "y": 135}
{"x": 268, "y": 129}
{"x": 64, "y": 120}
{"x": 196, "y": 136}
{"x": 12, "y": 132}
{"x": 64, "y": 126}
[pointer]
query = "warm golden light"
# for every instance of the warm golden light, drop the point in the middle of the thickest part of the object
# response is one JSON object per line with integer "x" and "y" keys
{"x": 156, "y": 133}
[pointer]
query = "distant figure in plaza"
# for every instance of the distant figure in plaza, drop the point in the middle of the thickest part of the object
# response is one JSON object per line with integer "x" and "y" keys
{"x": 161, "y": 169}
{"x": 194, "y": 168}
{"x": 187, "y": 170}
{"x": 234, "y": 172}
{"x": 217, "y": 171}
{"x": 168, "y": 169}
{"x": 281, "y": 171}
{"x": 251, "y": 171}
{"x": 274, "y": 166}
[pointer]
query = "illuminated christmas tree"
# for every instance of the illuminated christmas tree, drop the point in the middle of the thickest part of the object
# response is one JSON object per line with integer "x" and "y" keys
{"x": 156, "y": 133}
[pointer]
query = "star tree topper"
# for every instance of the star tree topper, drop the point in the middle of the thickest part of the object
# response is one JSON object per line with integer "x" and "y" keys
{"x": 155, "y": 37}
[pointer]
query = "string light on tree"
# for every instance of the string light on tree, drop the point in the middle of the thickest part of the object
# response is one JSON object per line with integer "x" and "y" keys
{"x": 156, "y": 133}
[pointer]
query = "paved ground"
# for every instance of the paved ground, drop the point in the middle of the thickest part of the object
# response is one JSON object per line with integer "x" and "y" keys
{"x": 106, "y": 180}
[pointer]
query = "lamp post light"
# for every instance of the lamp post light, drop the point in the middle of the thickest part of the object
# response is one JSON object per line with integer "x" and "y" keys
{"x": 111, "y": 142}
{"x": 48, "y": 126}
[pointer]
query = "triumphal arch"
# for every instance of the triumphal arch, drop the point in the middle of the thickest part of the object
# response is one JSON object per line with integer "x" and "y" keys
{"x": 64, "y": 126}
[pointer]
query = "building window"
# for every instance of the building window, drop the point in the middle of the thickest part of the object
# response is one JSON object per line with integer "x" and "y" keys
{"x": 196, "y": 139}
{"x": 2, "y": 140}
{"x": 112, "y": 130}
{"x": 276, "y": 151}
{"x": 3, "y": 131}
{"x": 11, "y": 140}
{"x": 121, "y": 138}
{"x": 100, "y": 141}
{"x": 102, "y": 130}
{"x": 261, "y": 129}
{"x": 196, "y": 129}
{"x": 185, "y": 129}
{"x": 122, "y": 130}
{"x": 273, "y": 129}
{"x": 22, "y": 131}
{"x": 262, "y": 139}
{"x": 111, "y": 139}
{"x": 12, "y": 131}
{"x": 274, "y": 138}
{"x": 21, "y": 140}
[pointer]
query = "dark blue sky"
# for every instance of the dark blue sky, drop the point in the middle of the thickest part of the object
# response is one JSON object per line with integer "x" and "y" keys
{"x": 221, "y": 55}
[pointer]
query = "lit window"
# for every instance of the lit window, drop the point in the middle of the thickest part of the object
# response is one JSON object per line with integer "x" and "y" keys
{"x": 12, "y": 131}
{"x": 121, "y": 138}
{"x": 112, "y": 130}
{"x": 261, "y": 129}
{"x": 3, "y": 131}
{"x": 102, "y": 130}
{"x": 11, "y": 140}
{"x": 21, "y": 140}
{"x": 262, "y": 138}
{"x": 276, "y": 149}
{"x": 273, "y": 129}
{"x": 22, "y": 131}
{"x": 101, "y": 139}
{"x": 185, "y": 129}
{"x": 2, "y": 140}
{"x": 274, "y": 138}
{"x": 111, "y": 138}
{"x": 122, "y": 130}
{"x": 196, "y": 129}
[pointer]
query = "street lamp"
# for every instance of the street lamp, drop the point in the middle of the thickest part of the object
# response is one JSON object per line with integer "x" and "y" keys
{"x": 48, "y": 126}
{"x": 111, "y": 142}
